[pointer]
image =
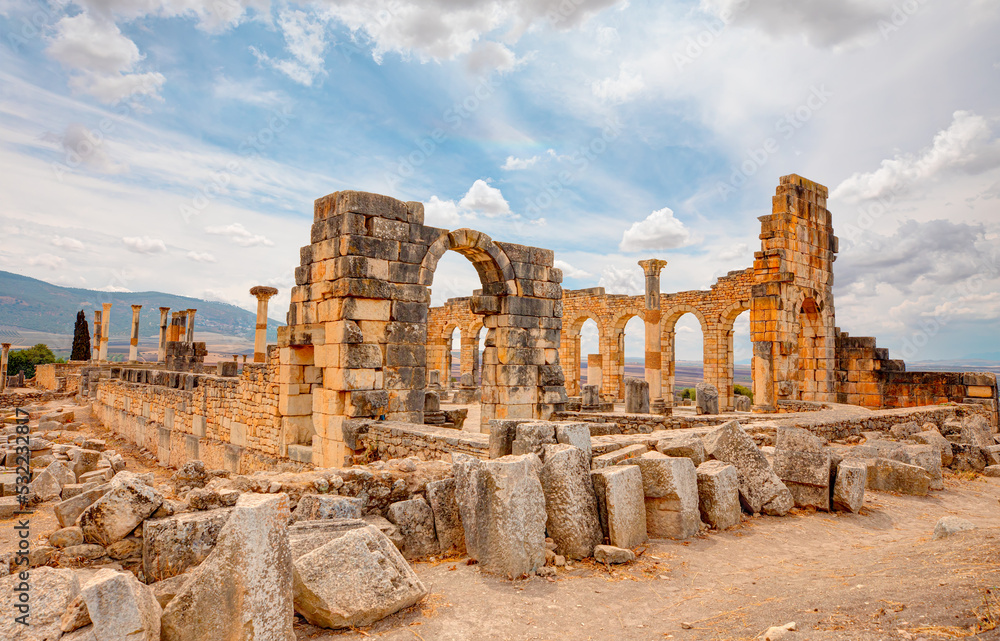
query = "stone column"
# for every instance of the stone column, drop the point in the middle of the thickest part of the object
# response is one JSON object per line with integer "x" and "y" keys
{"x": 263, "y": 294}
{"x": 594, "y": 364}
{"x": 161, "y": 354}
{"x": 190, "y": 325}
{"x": 105, "y": 329}
{"x": 4, "y": 351}
{"x": 133, "y": 343}
{"x": 96, "y": 345}
{"x": 651, "y": 268}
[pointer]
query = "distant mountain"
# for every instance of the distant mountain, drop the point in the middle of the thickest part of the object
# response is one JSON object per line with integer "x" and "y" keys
{"x": 32, "y": 304}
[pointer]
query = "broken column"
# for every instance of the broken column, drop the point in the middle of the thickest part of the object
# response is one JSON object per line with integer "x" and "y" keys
{"x": 760, "y": 488}
{"x": 161, "y": 354}
{"x": 133, "y": 342}
{"x": 803, "y": 463}
{"x": 594, "y": 364}
{"x": 670, "y": 487}
{"x": 263, "y": 294}
{"x": 707, "y": 399}
{"x": 621, "y": 505}
{"x": 105, "y": 328}
{"x": 570, "y": 505}
{"x": 636, "y": 396}
{"x": 590, "y": 397}
{"x": 651, "y": 268}
{"x": 4, "y": 351}
{"x": 96, "y": 356}
{"x": 190, "y": 326}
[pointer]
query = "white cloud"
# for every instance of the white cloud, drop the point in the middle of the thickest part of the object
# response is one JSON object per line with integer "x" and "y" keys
{"x": 441, "y": 213}
{"x": 82, "y": 146}
{"x": 486, "y": 200}
{"x": 201, "y": 257}
{"x": 660, "y": 230}
{"x": 620, "y": 89}
{"x": 305, "y": 39}
{"x": 619, "y": 281}
{"x": 46, "y": 260}
{"x": 251, "y": 92}
{"x": 113, "y": 288}
{"x": 570, "y": 271}
{"x": 517, "y": 164}
{"x": 739, "y": 250}
{"x": 212, "y": 16}
{"x": 71, "y": 244}
{"x": 102, "y": 60}
{"x": 490, "y": 56}
{"x": 968, "y": 145}
{"x": 240, "y": 235}
{"x": 144, "y": 245}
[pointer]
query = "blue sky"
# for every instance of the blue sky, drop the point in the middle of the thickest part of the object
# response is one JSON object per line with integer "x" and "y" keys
{"x": 178, "y": 145}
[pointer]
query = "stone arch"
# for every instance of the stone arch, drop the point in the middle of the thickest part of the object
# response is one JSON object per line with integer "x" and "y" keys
{"x": 727, "y": 363}
{"x": 669, "y": 318}
{"x": 492, "y": 264}
{"x": 570, "y": 351}
{"x": 614, "y": 363}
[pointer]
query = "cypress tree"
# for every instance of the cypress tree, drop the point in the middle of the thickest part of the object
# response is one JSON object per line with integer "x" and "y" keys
{"x": 81, "y": 339}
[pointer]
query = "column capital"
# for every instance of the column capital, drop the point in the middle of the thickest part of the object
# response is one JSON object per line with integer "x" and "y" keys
{"x": 164, "y": 309}
{"x": 6, "y": 345}
{"x": 136, "y": 308}
{"x": 652, "y": 266}
{"x": 263, "y": 292}
{"x": 106, "y": 306}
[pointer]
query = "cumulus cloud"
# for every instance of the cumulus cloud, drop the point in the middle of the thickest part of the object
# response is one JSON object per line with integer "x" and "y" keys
{"x": 71, "y": 244}
{"x": 486, "y": 200}
{"x": 517, "y": 164}
{"x": 569, "y": 270}
{"x": 240, "y": 235}
{"x": 660, "y": 230}
{"x": 918, "y": 256}
{"x": 212, "y": 16}
{"x": 615, "y": 280}
{"x": 441, "y": 213}
{"x": 491, "y": 56}
{"x": 82, "y": 147}
{"x": 619, "y": 89}
{"x": 820, "y": 22}
{"x": 46, "y": 260}
{"x": 969, "y": 145}
{"x": 305, "y": 40}
{"x": 102, "y": 60}
{"x": 739, "y": 250}
{"x": 201, "y": 257}
{"x": 144, "y": 245}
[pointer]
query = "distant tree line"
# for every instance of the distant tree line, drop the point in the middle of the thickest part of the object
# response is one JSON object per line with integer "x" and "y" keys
{"x": 25, "y": 360}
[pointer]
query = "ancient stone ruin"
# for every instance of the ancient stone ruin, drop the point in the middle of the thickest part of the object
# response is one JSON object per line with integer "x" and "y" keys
{"x": 306, "y": 482}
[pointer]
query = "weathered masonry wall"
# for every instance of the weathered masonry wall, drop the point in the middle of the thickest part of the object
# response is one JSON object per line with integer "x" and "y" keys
{"x": 60, "y": 377}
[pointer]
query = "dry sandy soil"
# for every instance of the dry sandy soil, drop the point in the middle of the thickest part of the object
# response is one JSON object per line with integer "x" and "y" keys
{"x": 867, "y": 577}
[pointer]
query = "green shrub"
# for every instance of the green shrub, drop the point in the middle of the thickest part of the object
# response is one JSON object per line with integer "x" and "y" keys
{"x": 743, "y": 391}
{"x": 25, "y": 360}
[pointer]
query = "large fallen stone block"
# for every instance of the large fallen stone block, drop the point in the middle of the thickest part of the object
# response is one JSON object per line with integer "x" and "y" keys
{"x": 85, "y": 461}
{"x": 968, "y": 458}
{"x": 68, "y": 511}
{"x": 45, "y": 486}
{"x": 707, "y": 401}
{"x": 976, "y": 431}
{"x": 887, "y": 475}
{"x": 121, "y": 608}
{"x": 760, "y": 488}
{"x": 502, "y": 435}
{"x": 306, "y": 536}
{"x": 503, "y": 512}
{"x": 128, "y": 502}
{"x": 934, "y": 437}
{"x": 719, "y": 494}
{"x": 803, "y": 464}
{"x": 636, "y": 396}
{"x": 570, "y": 505}
{"x": 619, "y": 455}
{"x": 173, "y": 544}
{"x": 447, "y": 520}
{"x": 415, "y": 520}
{"x": 243, "y": 590}
{"x": 849, "y": 487}
{"x": 50, "y": 592}
{"x": 621, "y": 505}
{"x": 325, "y": 506}
{"x": 577, "y": 435}
{"x": 687, "y": 446}
{"x": 353, "y": 580}
{"x": 532, "y": 437}
{"x": 670, "y": 486}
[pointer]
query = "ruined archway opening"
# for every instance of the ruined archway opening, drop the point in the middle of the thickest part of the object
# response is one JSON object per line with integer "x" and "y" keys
{"x": 633, "y": 352}
{"x": 740, "y": 363}
{"x": 688, "y": 358}
{"x": 590, "y": 345}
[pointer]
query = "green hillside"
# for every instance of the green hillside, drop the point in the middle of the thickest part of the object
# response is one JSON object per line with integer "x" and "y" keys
{"x": 32, "y": 304}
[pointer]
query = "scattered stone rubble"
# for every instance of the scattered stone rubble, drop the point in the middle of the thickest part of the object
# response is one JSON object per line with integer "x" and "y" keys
{"x": 334, "y": 545}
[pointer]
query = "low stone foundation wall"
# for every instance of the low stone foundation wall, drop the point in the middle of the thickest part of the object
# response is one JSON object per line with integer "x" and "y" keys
{"x": 60, "y": 377}
{"x": 388, "y": 440}
{"x": 21, "y": 399}
{"x": 838, "y": 426}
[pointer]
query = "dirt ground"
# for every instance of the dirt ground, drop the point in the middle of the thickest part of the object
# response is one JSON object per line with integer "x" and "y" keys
{"x": 867, "y": 577}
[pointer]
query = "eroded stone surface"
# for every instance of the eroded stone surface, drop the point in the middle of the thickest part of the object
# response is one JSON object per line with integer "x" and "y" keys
{"x": 570, "y": 505}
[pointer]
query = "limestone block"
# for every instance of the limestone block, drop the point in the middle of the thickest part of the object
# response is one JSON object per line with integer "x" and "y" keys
{"x": 51, "y": 592}
{"x": 803, "y": 464}
{"x": 250, "y": 570}
{"x": 992, "y": 454}
{"x": 172, "y": 545}
{"x": 619, "y": 455}
{"x": 503, "y": 512}
{"x": 968, "y": 458}
{"x": 976, "y": 431}
{"x": 69, "y": 510}
{"x": 577, "y": 435}
{"x": 590, "y": 396}
{"x": 886, "y": 475}
{"x": 612, "y": 555}
{"x": 325, "y": 506}
{"x": 121, "y": 608}
{"x": 849, "y": 488}
{"x": 306, "y": 536}
{"x": 670, "y": 486}
{"x": 934, "y": 437}
{"x": 636, "y": 396}
{"x": 621, "y": 505}
{"x": 718, "y": 494}
{"x": 447, "y": 520}
{"x": 415, "y": 520}
{"x": 949, "y": 525}
{"x": 572, "y": 518}
{"x": 760, "y": 488}
{"x": 684, "y": 446}
{"x": 45, "y": 485}
{"x": 355, "y": 579}
{"x": 66, "y": 537}
{"x": 742, "y": 403}
{"x": 128, "y": 502}
{"x": 502, "y": 435}
{"x": 164, "y": 591}
{"x": 532, "y": 437}
{"x": 85, "y": 461}
{"x": 707, "y": 399}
